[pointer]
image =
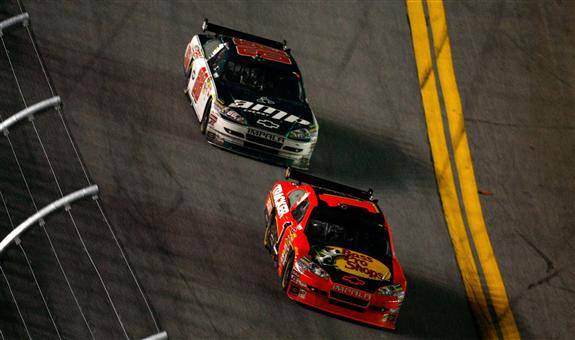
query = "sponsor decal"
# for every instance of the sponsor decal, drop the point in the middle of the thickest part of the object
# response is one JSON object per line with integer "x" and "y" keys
{"x": 268, "y": 112}
{"x": 213, "y": 119}
{"x": 354, "y": 280}
{"x": 356, "y": 293}
{"x": 280, "y": 201}
{"x": 197, "y": 52}
{"x": 268, "y": 123}
{"x": 269, "y": 205}
{"x": 352, "y": 262}
{"x": 207, "y": 88}
{"x": 251, "y": 49}
{"x": 199, "y": 84}
{"x": 266, "y": 135}
{"x": 284, "y": 257}
{"x": 265, "y": 100}
{"x": 188, "y": 58}
{"x": 191, "y": 53}
{"x": 287, "y": 245}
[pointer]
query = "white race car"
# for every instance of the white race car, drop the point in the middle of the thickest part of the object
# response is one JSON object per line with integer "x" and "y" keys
{"x": 248, "y": 95}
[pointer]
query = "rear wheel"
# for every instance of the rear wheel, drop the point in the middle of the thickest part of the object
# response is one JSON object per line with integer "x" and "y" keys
{"x": 286, "y": 273}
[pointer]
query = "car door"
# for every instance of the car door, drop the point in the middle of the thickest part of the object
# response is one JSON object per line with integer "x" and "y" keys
{"x": 200, "y": 86}
{"x": 298, "y": 205}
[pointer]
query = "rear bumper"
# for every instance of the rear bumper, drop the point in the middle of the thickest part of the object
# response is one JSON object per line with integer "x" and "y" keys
{"x": 379, "y": 314}
{"x": 231, "y": 136}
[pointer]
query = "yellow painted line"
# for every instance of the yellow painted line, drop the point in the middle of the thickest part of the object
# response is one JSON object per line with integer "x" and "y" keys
{"x": 444, "y": 172}
{"x": 466, "y": 174}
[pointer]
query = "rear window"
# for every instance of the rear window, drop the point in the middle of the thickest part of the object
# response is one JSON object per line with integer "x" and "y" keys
{"x": 261, "y": 77}
{"x": 336, "y": 227}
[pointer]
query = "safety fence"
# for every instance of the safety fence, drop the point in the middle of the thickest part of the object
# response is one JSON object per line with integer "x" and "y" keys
{"x": 63, "y": 205}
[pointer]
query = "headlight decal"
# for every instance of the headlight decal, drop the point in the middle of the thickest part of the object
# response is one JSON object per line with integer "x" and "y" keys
{"x": 392, "y": 290}
{"x": 301, "y": 134}
{"x": 305, "y": 264}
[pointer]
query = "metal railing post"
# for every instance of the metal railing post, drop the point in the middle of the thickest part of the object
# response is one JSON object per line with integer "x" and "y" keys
{"x": 42, "y": 213}
{"x": 29, "y": 112}
{"x": 13, "y": 21}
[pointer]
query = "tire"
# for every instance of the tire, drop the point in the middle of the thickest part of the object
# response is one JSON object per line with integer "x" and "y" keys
{"x": 186, "y": 94}
{"x": 286, "y": 273}
{"x": 205, "y": 117}
{"x": 271, "y": 233}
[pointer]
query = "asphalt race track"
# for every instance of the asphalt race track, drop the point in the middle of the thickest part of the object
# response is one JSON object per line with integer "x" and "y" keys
{"x": 190, "y": 216}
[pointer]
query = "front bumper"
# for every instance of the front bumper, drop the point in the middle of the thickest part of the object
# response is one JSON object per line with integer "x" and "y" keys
{"x": 379, "y": 311}
{"x": 234, "y": 137}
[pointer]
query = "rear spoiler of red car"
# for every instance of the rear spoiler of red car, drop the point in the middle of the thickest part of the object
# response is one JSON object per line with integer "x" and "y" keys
{"x": 328, "y": 185}
{"x": 206, "y": 26}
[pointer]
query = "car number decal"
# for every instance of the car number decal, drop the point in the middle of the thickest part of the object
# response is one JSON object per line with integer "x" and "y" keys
{"x": 199, "y": 84}
{"x": 250, "y": 49}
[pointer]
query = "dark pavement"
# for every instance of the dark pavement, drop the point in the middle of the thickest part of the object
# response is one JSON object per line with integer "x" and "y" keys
{"x": 190, "y": 215}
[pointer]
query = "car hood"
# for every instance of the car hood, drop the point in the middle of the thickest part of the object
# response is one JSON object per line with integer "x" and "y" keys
{"x": 352, "y": 268}
{"x": 267, "y": 113}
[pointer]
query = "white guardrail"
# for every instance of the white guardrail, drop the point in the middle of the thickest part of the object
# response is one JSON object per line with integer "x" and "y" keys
{"x": 29, "y": 112}
{"x": 15, "y": 20}
{"x": 159, "y": 336}
{"x": 47, "y": 210}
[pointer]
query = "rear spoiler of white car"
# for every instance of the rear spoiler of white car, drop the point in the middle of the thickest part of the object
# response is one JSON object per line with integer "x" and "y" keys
{"x": 328, "y": 185}
{"x": 206, "y": 26}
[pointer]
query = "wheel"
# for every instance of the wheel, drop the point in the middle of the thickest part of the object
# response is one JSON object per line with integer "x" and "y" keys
{"x": 186, "y": 91}
{"x": 205, "y": 118}
{"x": 286, "y": 273}
{"x": 271, "y": 233}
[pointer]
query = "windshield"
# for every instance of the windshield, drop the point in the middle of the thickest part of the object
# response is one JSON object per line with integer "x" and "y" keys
{"x": 332, "y": 228}
{"x": 261, "y": 77}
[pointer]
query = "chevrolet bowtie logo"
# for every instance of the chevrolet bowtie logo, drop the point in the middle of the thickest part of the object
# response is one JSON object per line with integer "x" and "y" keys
{"x": 268, "y": 123}
{"x": 354, "y": 280}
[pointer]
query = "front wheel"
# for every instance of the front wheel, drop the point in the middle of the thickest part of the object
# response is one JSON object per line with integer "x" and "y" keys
{"x": 286, "y": 273}
{"x": 271, "y": 233}
{"x": 205, "y": 118}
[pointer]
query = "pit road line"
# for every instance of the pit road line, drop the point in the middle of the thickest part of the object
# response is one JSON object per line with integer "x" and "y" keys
{"x": 444, "y": 172}
{"x": 464, "y": 166}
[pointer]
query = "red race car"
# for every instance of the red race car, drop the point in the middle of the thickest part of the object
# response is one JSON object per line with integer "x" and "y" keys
{"x": 333, "y": 249}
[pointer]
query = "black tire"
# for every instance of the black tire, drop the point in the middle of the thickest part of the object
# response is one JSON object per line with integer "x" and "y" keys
{"x": 205, "y": 117}
{"x": 286, "y": 273}
{"x": 186, "y": 91}
{"x": 271, "y": 233}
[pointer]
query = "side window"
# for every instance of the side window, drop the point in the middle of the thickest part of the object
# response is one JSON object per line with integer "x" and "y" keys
{"x": 294, "y": 196}
{"x": 210, "y": 46}
{"x": 299, "y": 212}
{"x": 217, "y": 60}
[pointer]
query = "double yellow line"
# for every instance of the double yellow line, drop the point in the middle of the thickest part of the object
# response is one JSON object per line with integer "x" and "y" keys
{"x": 502, "y": 320}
